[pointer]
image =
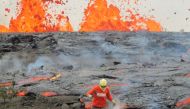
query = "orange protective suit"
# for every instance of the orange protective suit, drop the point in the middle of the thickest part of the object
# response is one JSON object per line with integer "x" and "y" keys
{"x": 99, "y": 96}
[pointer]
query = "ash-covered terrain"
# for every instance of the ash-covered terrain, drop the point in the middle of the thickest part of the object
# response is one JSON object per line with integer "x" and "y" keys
{"x": 144, "y": 70}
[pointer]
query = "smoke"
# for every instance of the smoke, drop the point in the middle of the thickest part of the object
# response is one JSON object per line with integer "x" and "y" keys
{"x": 156, "y": 48}
{"x": 110, "y": 50}
{"x": 118, "y": 104}
{"x": 39, "y": 64}
{"x": 86, "y": 59}
{"x": 10, "y": 63}
{"x": 53, "y": 63}
{"x": 142, "y": 48}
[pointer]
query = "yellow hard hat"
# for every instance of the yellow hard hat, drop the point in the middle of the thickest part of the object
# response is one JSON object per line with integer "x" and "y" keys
{"x": 103, "y": 82}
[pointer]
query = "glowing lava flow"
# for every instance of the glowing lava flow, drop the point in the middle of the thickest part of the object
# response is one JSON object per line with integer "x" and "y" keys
{"x": 187, "y": 75}
{"x": 101, "y": 17}
{"x": 21, "y": 93}
{"x": 6, "y": 84}
{"x": 49, "y": 94}
{"x": 33, "y": 18}
{"x": 39, "y": 78}
{"x": 33, "y": 80}
{"x": 183, "y": 102}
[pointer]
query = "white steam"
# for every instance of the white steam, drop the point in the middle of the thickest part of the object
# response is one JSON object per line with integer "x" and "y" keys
{"x": 10, "y": 63}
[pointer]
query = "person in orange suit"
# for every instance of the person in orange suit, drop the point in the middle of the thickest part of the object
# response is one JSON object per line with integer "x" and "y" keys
{"x": 99, "y": 94}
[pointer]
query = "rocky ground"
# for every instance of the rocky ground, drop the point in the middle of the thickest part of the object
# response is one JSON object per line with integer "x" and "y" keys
{"x": 144, "y": 70}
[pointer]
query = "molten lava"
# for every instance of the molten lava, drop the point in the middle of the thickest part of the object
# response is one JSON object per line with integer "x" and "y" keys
{"x": 183, "y": 102}
{"x": 55, "y": 77}
{"x": 6, "y": 84}
{"x": 3, "y": 29}
{"x": 21, "y": 93}
{"x": 187, "y": 75}
{"x": 99, "y": 16}
{"x": 34, "y": 18}
{"x": 33, "y": 80}
{"x": 39, "y": 78}
{"x": 49, "y": 94}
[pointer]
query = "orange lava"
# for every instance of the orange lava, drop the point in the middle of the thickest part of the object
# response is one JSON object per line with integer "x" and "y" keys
{"x": 39, "y": 78}
{"x": 3, "y": 29}
{"x": 36, "y": 79}
{"x": 183, "y": 102}
{"x": 33, "y": 18}
{"x": 21, "y": 93}
{"x": 187, "y": 75}
{"x": 33, "y": 80}
{"x": 99, "y": 16}
{"x": 6, "y": 84}
{"x": 49, "y": 94}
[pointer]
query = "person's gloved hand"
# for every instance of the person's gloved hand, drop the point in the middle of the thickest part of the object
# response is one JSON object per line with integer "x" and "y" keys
{"x": 90, "y": 96}
{"x": 114, "y": 102}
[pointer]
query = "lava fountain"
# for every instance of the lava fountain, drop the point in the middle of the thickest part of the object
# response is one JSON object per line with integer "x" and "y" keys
{"x": 99, "y": 16}
{"x": 34, "y": 18}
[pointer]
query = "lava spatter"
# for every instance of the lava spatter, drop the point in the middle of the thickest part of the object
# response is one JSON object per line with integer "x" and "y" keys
{"x": 33, "y": 18}
{"x": 99, "y": 16}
